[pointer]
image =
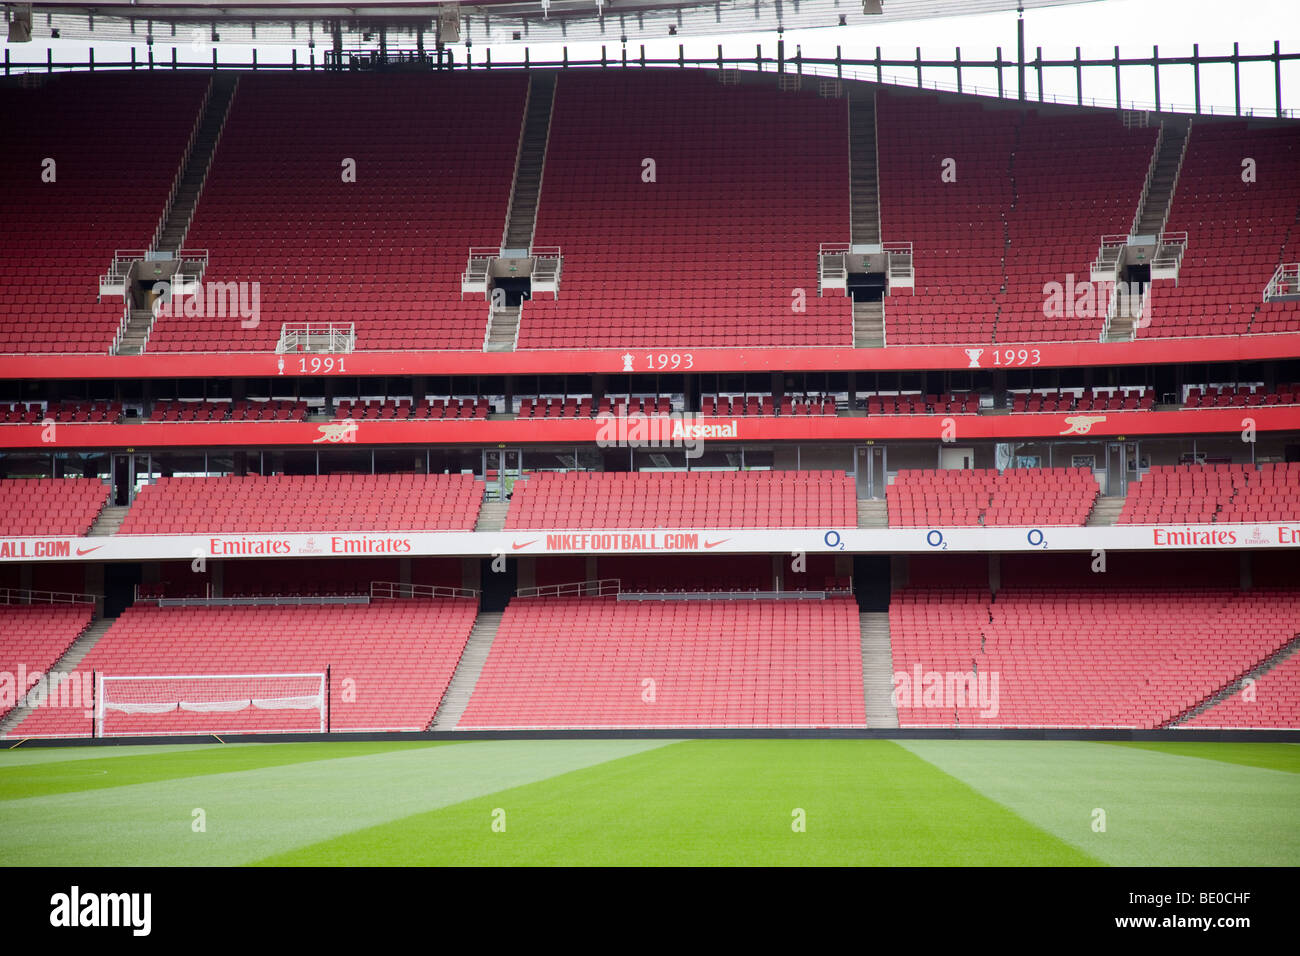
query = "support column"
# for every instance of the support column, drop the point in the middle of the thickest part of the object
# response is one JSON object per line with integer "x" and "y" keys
{"x": 1020, "y": 54}
{"x": 1119, "y": 99}
{"x": 469, "y": 573}
{"x": 1236, "y": 75}
{"x": 898, "y": 571}
{"x": 527, "y": 574}
{"x": 1277, "y": 76}
{"x": 1196, "y": 74}
{"x": 1155, "y": 70}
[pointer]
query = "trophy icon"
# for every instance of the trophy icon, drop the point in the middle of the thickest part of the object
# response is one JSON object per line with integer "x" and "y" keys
{"x": 974, "y": 356}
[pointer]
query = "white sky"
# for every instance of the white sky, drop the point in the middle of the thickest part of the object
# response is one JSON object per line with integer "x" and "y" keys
{"x": 1135, "y": 25}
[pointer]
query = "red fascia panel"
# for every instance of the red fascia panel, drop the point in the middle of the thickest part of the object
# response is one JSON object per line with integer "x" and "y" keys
{"x": 586, "y": 431}
{"x": 577, "y": 362}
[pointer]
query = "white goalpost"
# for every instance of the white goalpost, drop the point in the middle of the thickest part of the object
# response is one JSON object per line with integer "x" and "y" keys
{"x": 206, "y": 703}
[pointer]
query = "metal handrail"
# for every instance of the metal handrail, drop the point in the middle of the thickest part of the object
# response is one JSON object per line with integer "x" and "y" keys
{"x": 341, "y": 337}
{"x": 395, "y": 589}
{"x": 1285, "y": 281}
{"x": 29, "y": 596}
{"x": 594, "y": 588}
{"x": 121, "y": 330}
{"x": 1178, "y": 171}
{"x": 180, "y": 168}
{"x": 519, "y": 157}
{"x": 1150, "y": 177}
{"x": 868, "y": 70}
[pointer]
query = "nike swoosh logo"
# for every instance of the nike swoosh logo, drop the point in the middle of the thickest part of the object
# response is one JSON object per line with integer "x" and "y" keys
{"x": 81, "y": 552}
{"x": 516, "y": 546}
{"x": 714, "y": 544}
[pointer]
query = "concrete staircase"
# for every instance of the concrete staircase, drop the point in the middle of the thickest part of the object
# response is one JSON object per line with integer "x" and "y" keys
{"x": 1105, "y": 511}
{"x": 138, "y": 325}
{"x": 1120, "y": 327}
{"x": 467, "y": 673}
{"x": 1255, "y": 673}
{"x": 492, "y": 516}
{"x": 503, "y": 327}
{"x": 1168, "y": 160}
{"x": 864, "y": 182}
{"x": 180, "y": 211}
{"x": 878, "y": 670}
{"x": 62, "y": 667}
{"x": 109, "y": 520}
{"x": 869, "y": 325}
{"x": 873, "y": 513}
{"x": 530, "y": 162}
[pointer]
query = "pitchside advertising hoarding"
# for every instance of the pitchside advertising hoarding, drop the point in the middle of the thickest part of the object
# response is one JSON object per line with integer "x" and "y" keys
{"x": 325, "y": 544}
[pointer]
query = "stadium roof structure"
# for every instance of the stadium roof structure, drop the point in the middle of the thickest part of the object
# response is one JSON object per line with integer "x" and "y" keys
{"x": 495, "y": 21}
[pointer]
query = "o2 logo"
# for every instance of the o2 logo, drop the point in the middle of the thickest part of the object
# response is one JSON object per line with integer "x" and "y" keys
{"x": 934, "y": 538}
{"x": 833, "y": 540}
{"x": 1036, "y": 539}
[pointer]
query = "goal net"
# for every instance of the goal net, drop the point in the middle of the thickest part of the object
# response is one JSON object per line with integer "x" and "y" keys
{"x": 210, "y": 704}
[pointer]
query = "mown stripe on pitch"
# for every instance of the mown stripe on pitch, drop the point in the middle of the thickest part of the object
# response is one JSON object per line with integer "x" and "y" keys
{"x": 20, "y": 756}
{"x": 1270, "y": 756}
{"x": 94, "y": 769}
{"x": 1158, "y": 809}
{"x": 717, "y": 802}
{"x": 250, "y": 814}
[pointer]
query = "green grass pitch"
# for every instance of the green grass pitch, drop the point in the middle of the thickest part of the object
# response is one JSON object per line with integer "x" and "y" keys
{"x": 653, "y": 802}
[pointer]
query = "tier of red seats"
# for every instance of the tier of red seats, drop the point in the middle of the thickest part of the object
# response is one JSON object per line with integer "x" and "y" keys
{"x": 50, "y": 506}
{"x": 1113, "y": 657}
{"x": 707, "y": 248}
{"x": 1084, "y": 400}
{"x": 952, "y": 403}
{"x": 712, "y": 499}
{"x": 755, "y": 406}
{"x": 1201, "y": 494}
{"x": 604, "y": 662}
{"x": 1061, "y": 209}
{"x": 994, "y": 215}
{"x": 390, "y": 663}
{"x": 34, "y": 636}
{"x": 1240, "y": 396}
{"x": 375, "y": 409}
{"x": 1271, "y": 494}
{"x": 277, "y": 410}
{"x": 1272, "y": 702}
{"x": 1238, "y": 232}
{"x": 384, "y": 251}
{"x": 555, "y": 407}
{"x": 33, "y": 413}
{"x": 586, "y": 407}
{"x": 77, "y": 182}
{"x": 961, "y": 497}
{"x": 306, "y": 503}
